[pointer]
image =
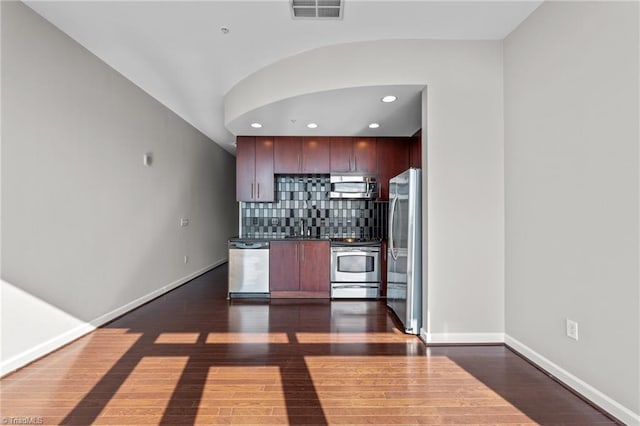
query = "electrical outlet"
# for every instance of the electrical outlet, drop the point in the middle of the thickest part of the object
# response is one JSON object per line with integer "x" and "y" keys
{"x": 184, "y": 221}
{"x": 572, "y": 329}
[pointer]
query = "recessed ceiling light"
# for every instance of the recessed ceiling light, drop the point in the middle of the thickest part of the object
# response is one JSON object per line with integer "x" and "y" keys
{"x": 389, "y": 98}
{"x": 374, "y": 125}
{"x": 256, "y": 125}
{"x": 312, "y": 125}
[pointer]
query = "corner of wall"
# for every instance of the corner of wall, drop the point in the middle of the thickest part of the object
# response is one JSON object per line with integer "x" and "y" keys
{"x": 591, "y": 393}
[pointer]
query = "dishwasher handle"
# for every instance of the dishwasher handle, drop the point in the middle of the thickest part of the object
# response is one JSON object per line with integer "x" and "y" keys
{"x": 248, "y": 245}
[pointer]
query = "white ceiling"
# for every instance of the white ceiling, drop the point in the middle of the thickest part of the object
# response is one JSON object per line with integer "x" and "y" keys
{"x": 344, "y": 112}
{"x": 176, "y": 52}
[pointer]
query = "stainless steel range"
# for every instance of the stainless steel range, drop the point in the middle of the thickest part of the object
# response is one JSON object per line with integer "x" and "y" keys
{"x": 355, "y": 268}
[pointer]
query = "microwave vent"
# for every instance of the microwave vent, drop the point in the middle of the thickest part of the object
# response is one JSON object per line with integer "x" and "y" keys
{"x": 316, "y": 9}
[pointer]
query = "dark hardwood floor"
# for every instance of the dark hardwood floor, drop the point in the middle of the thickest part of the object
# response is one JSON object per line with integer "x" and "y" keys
{"x": 192, "y": 357}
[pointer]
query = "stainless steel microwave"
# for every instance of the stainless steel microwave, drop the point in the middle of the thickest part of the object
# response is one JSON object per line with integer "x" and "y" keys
{"x": 354, "y": 186}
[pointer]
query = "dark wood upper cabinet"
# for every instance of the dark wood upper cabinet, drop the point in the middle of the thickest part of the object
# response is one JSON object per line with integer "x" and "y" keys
{"x": 365, "y": 155}
{"x": 316, "y": 156}
{"x": 301, "y": 155}
{"x": 287, "y": 154}
{"x": 254, "y": 169}
{"x": 353, "y": 155}
{"x": 259, "y": 158}
{"x": 265, "y": 185}
{"x": 341, "y": 154}
{"x": 415, "y": 152}
{"x": 245, "y": 167}
{"x": 393, "y": 159}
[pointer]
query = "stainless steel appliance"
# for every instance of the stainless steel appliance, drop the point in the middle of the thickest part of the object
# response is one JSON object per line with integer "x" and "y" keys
{"x": 353, "y": 186}
{"x": 355, "y": 269}
{"x": 404, "y": 251}
{"x": 248, "y": 269}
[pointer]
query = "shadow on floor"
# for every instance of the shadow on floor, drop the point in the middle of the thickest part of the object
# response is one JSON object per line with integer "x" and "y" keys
{"x": 261, "y": 350}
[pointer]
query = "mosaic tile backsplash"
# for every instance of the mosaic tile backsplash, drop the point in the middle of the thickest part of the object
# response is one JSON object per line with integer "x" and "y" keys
{"x": 305, "y": 199}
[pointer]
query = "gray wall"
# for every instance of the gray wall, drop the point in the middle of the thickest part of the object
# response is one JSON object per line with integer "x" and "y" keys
{"x": 87, "y": 230}
{"x": 572, "y": 194}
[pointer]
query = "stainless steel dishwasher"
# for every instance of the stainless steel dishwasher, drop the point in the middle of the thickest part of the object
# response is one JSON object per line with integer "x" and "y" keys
{"x": 248, "y": 269}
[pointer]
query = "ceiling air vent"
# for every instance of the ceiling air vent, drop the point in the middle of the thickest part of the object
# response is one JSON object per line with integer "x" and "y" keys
{"x": 316, "y": 9}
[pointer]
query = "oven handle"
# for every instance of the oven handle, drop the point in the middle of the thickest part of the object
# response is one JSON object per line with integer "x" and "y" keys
{"x": 338, "y": 285}
{"x": 344, "y": 250}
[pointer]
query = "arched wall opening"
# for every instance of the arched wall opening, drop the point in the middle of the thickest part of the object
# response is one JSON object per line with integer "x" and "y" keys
{"x": 463, "y": 148}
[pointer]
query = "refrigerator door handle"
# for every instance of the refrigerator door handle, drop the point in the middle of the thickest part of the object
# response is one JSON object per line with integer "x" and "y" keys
{"x": 392, "y": 210}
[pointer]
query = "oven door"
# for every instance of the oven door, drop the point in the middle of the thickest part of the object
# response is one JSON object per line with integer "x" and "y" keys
{"x": 355, "y": 265}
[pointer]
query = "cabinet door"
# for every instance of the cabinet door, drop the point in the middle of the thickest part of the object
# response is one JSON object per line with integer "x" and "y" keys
{"x": 284, "y": 266}
{"x": 415, "y": 151}
{"x": 341, "y": 154}
{"x": 245, "y": 168}
{"x": 314, "y": 266}
{"x": 393, "y": 155}
{"x": 287, "y": 153}
{"x": 264, "y": 181}
{"x": 365, "y": 155}
{"x": 316, "y": 155}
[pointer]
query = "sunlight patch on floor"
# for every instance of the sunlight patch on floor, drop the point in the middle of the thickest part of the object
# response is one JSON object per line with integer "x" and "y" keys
{"x": 242, "y": 392}
{"x": 177, "y": 338}
{"x": 247, "y": 338}
{"x": 145, "y": 391}
{"x": 376, "y": 389}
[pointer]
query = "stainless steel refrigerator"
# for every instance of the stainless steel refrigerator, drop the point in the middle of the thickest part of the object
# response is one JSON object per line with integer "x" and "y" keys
{"x": 404, "y": 250}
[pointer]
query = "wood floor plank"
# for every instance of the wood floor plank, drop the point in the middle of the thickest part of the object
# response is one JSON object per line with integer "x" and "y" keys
{"x": 192, "y": 357}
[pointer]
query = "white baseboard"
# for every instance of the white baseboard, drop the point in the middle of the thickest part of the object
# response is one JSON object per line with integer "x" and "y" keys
{"x": 103, "y": 319}
{"x": 42, "y": 349}
{"x": 589, "y": 392}
{"x": 461, "y": 338}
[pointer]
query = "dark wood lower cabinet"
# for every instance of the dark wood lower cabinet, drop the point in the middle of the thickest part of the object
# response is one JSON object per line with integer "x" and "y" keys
{"x": 284, "y": 266}
{"x": 314, "y": 266}
{"x": 299, "y": 269}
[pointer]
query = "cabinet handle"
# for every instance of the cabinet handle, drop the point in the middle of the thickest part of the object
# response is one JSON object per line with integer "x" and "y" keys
{"x": 258, "y": 185}
{"x": 302, "y": 251}
{"x": 299, "y": 167}
{"x": 355, "y": 163}
{"x": 252, "y": 191}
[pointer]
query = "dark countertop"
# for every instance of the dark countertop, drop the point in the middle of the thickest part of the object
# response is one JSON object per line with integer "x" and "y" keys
{"x": 292, "y": 238}
{"x": 247, "y": 239}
